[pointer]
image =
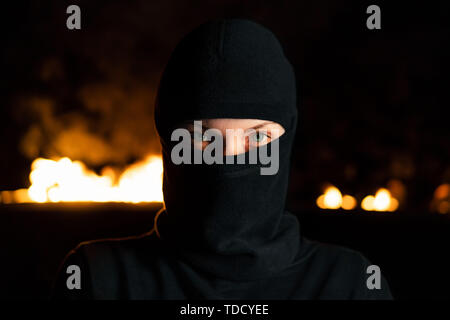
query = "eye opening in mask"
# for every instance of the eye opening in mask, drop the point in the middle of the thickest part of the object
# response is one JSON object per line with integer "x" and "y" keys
{"x": 238, "y": 135}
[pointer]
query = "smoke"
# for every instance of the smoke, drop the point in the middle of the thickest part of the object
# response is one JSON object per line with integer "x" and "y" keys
{"x": 92, "y": 98}
{"x": 114, "y": 124}
{"x": 92, "y": 93}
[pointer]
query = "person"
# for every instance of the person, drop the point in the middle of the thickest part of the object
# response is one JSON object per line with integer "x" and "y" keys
{"x": 223, "y": 232}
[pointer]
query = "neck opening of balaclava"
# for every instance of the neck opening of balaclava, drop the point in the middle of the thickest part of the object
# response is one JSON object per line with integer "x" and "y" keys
{"x": 228, "y": 220}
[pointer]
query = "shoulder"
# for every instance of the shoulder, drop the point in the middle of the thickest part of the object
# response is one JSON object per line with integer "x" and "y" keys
{"x": 108, "y": 247}
{"x": 108, "y": 258}
{"x": 345, "y": 271}
{"x": 332, "y": 254}
{"x": 102, "y": 263}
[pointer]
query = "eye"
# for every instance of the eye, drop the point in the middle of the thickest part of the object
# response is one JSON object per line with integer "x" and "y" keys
{"x": 259, "y": 137}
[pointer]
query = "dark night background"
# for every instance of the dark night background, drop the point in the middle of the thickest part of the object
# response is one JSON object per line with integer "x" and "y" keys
{"x": 373, "y": 107}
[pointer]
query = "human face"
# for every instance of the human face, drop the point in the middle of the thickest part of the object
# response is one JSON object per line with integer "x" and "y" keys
{"x": 246, "y": 133}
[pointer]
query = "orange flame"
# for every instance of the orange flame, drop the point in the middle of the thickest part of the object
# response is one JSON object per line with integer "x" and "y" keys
{"x": 441, "y": 199}
{"x": 382, "y": 201}
{"x": 333, "y": 199}
{"x": 66, "y": 180}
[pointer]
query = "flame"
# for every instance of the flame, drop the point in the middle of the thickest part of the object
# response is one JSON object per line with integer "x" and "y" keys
{"x": 382, "y": 201}
{"x": 333, "y": 199}
{"x": 442, "y": 192}
{"x": 348, "y": 202}
{"x": 441, "y": 199}
{"x": 66, "y": 180}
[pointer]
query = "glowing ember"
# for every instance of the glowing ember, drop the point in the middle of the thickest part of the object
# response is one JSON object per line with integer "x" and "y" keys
{"x": 382, "y": 201}
{"x": 333, "y": 199}
{"x": 441, "y": 199}
{"x": 442, "y": 192}
{"x": 66, "y": 180}
{"x": 348, "y": 202}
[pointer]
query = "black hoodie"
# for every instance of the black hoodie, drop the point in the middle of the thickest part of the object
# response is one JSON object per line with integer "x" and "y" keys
{"x": 224, "y": 232}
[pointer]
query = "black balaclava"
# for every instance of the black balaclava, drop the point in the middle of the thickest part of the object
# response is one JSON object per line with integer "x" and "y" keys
{"x": 228, "y": 220}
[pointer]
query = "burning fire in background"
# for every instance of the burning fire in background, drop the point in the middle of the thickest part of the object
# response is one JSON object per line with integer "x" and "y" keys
{"x": 441, "y": 199}
{"x": 66, "y": 180}
{"x": 108, "y": 125}
{"x": 383, "y": 200}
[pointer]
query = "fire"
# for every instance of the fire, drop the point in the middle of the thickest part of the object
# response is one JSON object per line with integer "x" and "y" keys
{"x": 64, "y": 180}
{"x": 333, "y": 199}
{"x": 441, "y": 199}
{"x": 382, "y": 201}
{"x": 348, "y": 202}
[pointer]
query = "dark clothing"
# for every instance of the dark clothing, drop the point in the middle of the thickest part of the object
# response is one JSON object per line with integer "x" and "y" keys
{"x": 229, "y": 219}
{"x": 224, "y": 231}
{"x": 141, "y": 268}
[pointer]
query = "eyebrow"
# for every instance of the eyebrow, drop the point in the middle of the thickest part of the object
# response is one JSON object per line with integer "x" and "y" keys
{"x": 254, "y": 127}
{"x": 261, "y": 125}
